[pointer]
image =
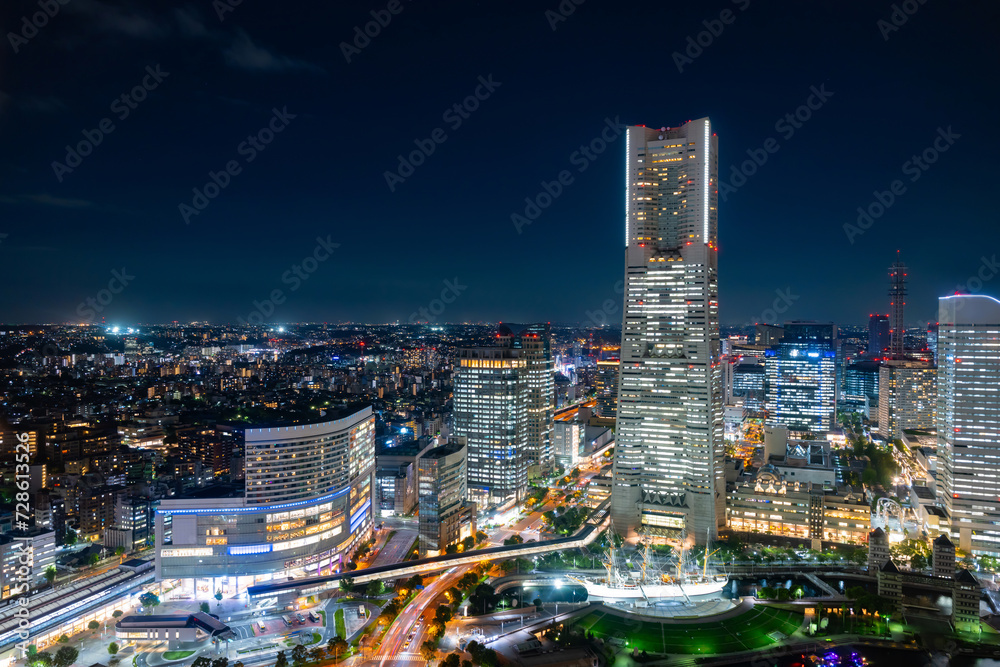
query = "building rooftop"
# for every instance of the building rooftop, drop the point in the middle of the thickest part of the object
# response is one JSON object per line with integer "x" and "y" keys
{"x": 943, "y": 541}
{"x": 444, "y": 450}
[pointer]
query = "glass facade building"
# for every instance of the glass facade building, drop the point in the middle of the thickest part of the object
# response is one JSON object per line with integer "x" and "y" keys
{"x": 668, "y": 465}
{"x": 307, "y": 503}
{"x": 968, "y": 419}
{"x": 491, "y": 413}
{"x": 445, "y": 516}
{"x": 801, "y": 378}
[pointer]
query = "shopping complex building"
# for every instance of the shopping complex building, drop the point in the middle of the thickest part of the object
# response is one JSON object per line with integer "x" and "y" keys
{"x": 305, "y": 507}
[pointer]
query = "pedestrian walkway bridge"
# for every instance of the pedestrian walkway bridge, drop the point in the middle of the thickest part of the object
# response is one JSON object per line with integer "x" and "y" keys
{"x": 313, "y": 585}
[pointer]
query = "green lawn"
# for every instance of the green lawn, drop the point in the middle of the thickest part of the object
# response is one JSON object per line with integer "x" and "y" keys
{"x": 746, "y": 632}
{"x": 338, "y": 620}
{"x": 177, "y": 655}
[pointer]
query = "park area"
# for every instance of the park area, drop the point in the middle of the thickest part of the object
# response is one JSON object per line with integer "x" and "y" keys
{"x": 755, "y": 629}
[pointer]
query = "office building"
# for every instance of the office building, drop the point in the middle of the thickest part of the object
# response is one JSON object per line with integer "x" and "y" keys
{"x": 535, "y": 343}
{"x": 607, "y": 386}
{"x": 770, "y": 503}
{"x": 907, "y": 397}
{"x": 491, "y": 413}
{"x": 133, "y": 523}
{"x": 668, "y": 471}
{"x": 748, "y": 384}
{"x": 767, "y": 335}
{"x": 396, "y": 475}
{"x": 879, "y": 335}
{"x": 446, "y": 517}
{"x": 932, "y": 340}
{"x": 306, "y": 506}
{"x": 568, "y": 442}
{"x": 968, "y": 419}
{"x": 861, "y": 379}
{"x": 801, "y": 391}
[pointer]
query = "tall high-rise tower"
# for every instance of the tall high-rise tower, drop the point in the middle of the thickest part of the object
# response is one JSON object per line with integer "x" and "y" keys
{"x": 897, "y": 296}
{"x": 968, "y": 419}
{"x": 491, "y": 412}
{"x": 879, "y": 335}
{"x": 668, "y": 473}
{"x": 535, "y": 343}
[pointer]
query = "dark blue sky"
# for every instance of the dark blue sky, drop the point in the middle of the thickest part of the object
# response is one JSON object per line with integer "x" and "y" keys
{"x": 323, "y": 174}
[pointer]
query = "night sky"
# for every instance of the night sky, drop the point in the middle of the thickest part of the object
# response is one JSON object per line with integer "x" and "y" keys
{"x": 211, "y": 82}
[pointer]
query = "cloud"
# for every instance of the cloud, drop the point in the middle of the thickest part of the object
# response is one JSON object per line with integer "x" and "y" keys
{"x": 117, "y": 19}
{"x": 59, "y": 202}
{"x": 242, "y": 53}
{"x": 189, "y": 23}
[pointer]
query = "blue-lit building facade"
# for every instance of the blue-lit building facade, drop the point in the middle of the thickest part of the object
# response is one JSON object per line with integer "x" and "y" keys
{"x": 306, "y": 506}
{"x": 801, "y": 378}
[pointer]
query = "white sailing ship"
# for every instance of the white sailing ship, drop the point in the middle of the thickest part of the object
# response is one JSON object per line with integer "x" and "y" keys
{"x": 649, "y": 582}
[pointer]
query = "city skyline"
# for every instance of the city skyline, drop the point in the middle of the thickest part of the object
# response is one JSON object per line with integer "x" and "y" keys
{"x": 198, "y": 83}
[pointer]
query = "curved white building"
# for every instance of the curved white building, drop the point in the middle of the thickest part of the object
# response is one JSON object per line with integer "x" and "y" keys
{"x": 306, "y": 505}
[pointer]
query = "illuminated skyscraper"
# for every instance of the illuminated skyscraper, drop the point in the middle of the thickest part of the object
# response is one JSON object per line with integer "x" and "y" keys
{"x": 801, "y": 378}
{"x": 607, "y": 386}
{"x": 491, "y": 412}
{"x": 535, "y": 342}
{"x": 879, "y": 335}
{"x": 968, "y": 419}
{"x": 668, "y": 469}
{"x": 907, "y": 397}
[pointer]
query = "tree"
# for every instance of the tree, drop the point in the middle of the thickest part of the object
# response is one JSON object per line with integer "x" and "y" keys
{"x": 204, "y": 607}
{"x": 451, "y": 549}
{"x": 93, "y": 625}
{"x": 69, "y": 538}
{"x": 337, "y": 646}
{"x": 918, "y": 561}
{"x": 483, "y": 599}
{"x": 36, "y": 659}
{"x": 299, "y": 655}
{"x": 428, "y": 650}
{"x": 783, "y": 595}
{"x": 279, "y": 661}
{"x": 50, "y": 573}
{"x": 375, "y": 588}
{"x": 443, "y": 613}
{"x": 117, "y": 613}
{"x": 346, "y": 585}
{"x": 119, "y": 551}
{"x": 481, "y": 536}
{"x": 221, "y": 662}
{"x": 201, "y": 661}
{"x": 413, "y": 582}
{"x": 93, "y": 559}
{"x": 466, "y": 663}
{"x": 238, "y": 663}
{"x": 453, "y": 660}
{"x": 316, "y": 654}
{"x": 63, "y": 639}
{"x": 65, "y": 656}
{"x": 149, "y": 600}
{"x": 468, "y": 581}
{"x": 218, "y": 596}
{"x": 468, "y": 543}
